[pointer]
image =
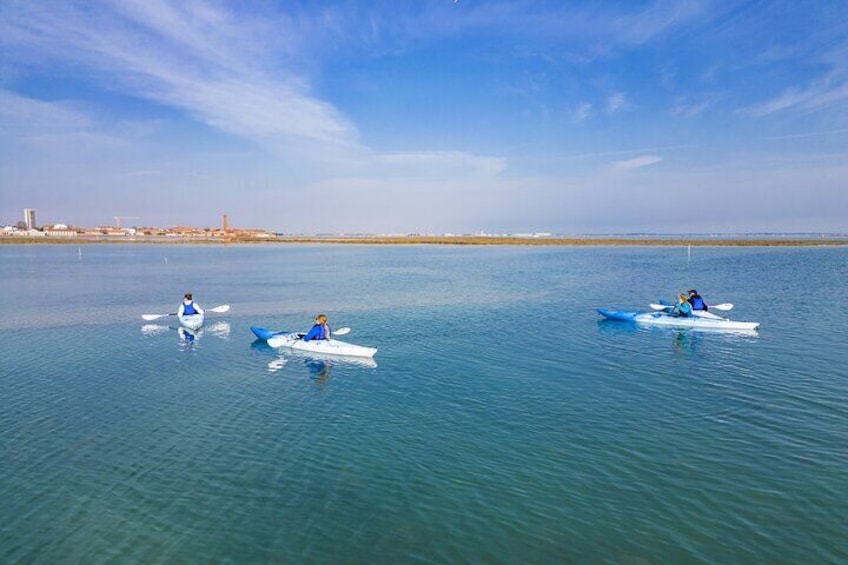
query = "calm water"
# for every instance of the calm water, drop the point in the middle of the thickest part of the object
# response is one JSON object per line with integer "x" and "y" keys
{"x": 502, "y": 423}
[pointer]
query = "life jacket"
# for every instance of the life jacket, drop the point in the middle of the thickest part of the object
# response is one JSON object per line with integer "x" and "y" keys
{"x": 697, "y": 303}
{"x": 188, "y": 308}
{"x": 683, "y": 310}
{"x": 317, "y": 332}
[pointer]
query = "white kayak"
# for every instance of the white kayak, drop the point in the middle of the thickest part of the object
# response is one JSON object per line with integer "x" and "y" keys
{"x": 701, "y": 320}
{"x": 191, "y": 321}
{"x": 294, "y": 341}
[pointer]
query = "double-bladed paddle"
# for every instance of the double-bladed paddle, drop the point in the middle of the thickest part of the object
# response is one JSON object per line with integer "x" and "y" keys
{"x": 219, "y": 309}
{"x": 723, "y": 307}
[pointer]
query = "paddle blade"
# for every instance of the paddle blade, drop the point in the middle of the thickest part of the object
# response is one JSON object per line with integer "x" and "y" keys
{"x": 341, "y": 331}
{"x": 221, "y": 308}
{"x": 726, "y": 306}
{"x": 151, "y": 317}
{"x": 660, "y": 306}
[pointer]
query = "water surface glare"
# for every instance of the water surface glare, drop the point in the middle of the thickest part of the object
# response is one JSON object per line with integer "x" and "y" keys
{"x": 500, "y": 422}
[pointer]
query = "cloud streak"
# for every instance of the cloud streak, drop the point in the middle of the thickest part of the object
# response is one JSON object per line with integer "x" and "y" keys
{"x": 637, "y": 162}
{"x": 815, "y": 98}
{"x": 189, "y": 56}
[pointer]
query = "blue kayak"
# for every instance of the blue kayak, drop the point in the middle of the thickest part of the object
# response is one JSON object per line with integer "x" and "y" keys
{"x": 665, "y": 319}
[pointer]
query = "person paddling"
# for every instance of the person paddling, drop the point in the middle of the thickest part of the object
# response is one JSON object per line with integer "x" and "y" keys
{"x": 188, "y": 306}
{"x": 682, "y": 309}
{"x": 696, "y": 301}
{"x": 321, "y": 330}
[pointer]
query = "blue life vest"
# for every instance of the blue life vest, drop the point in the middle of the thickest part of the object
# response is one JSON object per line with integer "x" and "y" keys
{"x": 697, "y": 303}
{"x": 188, "y": 309}
{"x": 317, "y": 332}
{"x": 682, "y": 309}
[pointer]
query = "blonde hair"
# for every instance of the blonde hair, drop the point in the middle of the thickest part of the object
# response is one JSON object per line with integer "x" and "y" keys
{"x": 321, "y": 317}
{"x": 682, "y": 297}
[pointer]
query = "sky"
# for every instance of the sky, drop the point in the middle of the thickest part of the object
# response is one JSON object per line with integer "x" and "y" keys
{"x": 427, "y": 116}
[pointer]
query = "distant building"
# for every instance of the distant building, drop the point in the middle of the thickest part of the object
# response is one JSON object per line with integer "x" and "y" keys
{"x": 29, "y": 218}
{"x": 60, "y": 230}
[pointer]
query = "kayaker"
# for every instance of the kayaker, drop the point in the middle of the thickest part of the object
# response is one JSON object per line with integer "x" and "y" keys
{"x": 321, "y": 330}
{"x": 682, "y": 309}
{"x": 188, "y": 306}
{"x": 696, "y": 301}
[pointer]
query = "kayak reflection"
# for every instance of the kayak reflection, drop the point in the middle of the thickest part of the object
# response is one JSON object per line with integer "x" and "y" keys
{"x": 218, "y": 329}
{"x": 320, "y": 371}
{"x": 318, "y": 360}
{"x": 616, "y": 327}
{"x": 318, "y": 364}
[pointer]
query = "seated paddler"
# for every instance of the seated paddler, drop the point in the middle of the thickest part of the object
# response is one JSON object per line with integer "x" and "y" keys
{"x": 682, "y": 309}
{"x": 188, "y": 306}
{"x": 321, "y": 330}
{"x": 696, "y": 301}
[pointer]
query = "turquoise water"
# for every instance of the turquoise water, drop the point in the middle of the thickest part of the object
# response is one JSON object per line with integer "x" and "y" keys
{"x": 502, "y": 423}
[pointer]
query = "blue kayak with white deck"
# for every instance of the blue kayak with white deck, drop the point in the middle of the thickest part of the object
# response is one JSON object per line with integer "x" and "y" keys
{"x": 699, "y": 320}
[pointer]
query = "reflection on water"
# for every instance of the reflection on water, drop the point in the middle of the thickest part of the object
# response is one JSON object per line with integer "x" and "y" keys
{"x": 218, "y": 329}
{"x": 685, "y": 341}
{"x": 277, "y": 364}
{"x": 153, "y": 329}
{"x": 188, "y": 335}
{"x": 320, "y": 371}
{"x": 616, "y": 327}
{"x": 319, "y": 365}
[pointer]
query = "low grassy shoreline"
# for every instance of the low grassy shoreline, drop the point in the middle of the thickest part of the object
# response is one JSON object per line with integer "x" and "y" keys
{"x": 444, "y": 240}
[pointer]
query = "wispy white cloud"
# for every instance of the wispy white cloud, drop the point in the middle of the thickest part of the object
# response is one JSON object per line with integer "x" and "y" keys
{"x": 584, "y": 110}
{"x": 690, "y": 108}
{"x": 616, "y": 102}
{"x": 434, "y": 163}
{"x": 817, "y": 97}
{"x": 590, "y": 30}
{"x": 637, "y": 162}
{"x": 187, "y": 55}
{"x": 659, "y": 17}
{"x": 51, "y": 126}
{"x": 40, "y": 115}
{"x": 826, "y": 133}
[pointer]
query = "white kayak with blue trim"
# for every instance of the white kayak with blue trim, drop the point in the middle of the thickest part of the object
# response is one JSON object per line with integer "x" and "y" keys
{"x": 294, "y": 340}
{"x": 700, "y": 320}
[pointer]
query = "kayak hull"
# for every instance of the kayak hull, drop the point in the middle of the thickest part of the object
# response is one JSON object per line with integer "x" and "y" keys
{"x": 294, "y": 341}
{"x": 666, "y": 320}
{"x": 192, "y": 321}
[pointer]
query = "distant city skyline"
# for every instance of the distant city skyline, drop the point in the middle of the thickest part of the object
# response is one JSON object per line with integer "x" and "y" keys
{"x": 404, "y": 117}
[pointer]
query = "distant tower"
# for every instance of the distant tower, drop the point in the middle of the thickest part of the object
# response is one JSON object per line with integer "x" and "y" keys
{"x": 226, "y": 223}
{"x": 29, "y": 218}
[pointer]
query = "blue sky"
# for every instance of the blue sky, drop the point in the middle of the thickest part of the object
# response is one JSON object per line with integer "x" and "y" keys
{"x": 427, "y": 115}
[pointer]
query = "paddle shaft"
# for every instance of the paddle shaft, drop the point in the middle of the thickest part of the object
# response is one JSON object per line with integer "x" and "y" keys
{"x": 218, "y": 309}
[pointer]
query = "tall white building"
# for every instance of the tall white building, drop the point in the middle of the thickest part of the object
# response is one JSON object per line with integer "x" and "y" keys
{"x": 29, "y": 218}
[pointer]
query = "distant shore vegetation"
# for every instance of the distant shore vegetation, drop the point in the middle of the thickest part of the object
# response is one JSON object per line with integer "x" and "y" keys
{"x": 766, "y": 240}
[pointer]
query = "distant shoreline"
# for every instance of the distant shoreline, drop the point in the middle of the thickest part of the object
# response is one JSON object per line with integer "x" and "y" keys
{"x": 449, "y": 240}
